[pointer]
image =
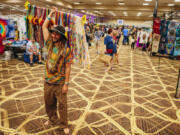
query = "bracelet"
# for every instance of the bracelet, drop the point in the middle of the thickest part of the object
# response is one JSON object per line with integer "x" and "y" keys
{"x": 49, "y": 18}
{"x": 66, "y": 83}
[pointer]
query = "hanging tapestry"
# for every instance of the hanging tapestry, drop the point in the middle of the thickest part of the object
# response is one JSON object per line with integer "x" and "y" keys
{"x": 3, "y": 24}
{"x": 163, "y": 40}
{"x": 177, "y": 42}
{"x": 155, "y": 44}
{"x": 171, "y": 37}
{"x": 156, "y": 25}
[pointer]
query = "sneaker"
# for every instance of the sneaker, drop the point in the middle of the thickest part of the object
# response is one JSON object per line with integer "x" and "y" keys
{"x": 31, "y": 64}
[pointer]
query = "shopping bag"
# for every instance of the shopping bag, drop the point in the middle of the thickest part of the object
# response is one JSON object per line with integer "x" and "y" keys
{"x": 105, "y": 58}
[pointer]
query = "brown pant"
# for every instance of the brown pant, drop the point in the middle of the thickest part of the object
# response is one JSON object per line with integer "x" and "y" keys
{"x": 53, "y": 95}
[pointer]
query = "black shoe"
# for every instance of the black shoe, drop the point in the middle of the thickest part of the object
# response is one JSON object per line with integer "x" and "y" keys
{"x": 40, "y": 63}
{"x": 31, "y": 64}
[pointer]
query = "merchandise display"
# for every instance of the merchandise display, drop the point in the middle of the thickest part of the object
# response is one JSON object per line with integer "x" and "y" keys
{"x": 75, "y": 31}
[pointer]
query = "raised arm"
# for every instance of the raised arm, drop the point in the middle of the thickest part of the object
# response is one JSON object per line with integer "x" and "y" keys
{"x": 46, "y": 23}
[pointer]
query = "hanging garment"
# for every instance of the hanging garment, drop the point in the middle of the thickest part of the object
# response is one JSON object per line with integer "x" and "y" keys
{"x": 1, "y": 45}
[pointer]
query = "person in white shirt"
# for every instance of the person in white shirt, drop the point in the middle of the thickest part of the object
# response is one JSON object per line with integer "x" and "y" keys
{"x": 32, "y": 49}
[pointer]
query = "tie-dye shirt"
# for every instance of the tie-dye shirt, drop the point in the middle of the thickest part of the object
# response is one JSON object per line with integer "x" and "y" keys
{"x": 56, "y": 63}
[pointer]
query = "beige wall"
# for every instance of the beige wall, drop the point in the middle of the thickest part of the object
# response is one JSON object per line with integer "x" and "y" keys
{"x": 131, "y": 22}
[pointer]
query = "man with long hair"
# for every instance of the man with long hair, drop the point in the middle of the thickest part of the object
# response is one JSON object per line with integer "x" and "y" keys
{"x": 57, "y": 73}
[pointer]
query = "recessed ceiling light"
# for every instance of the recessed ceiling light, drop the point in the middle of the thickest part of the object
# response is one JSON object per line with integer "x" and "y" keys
{"x": 139, "y": 14}
{"x": 150, "y": 15}
{"x": 17, "y": 5}
{"x": 125, "y": 13}
{"x": 76, "y": 3}
{"x": 148, "y": 0}
{"x": 13, "y": 1}
{"x": 171, "y": 4}
{"x": 98, "y": 3}
{"x": 60, "y": 3}
{"x": 121, "y": 3}
{"x": 112, "y": 13}
{"x": 145, "y": 4}
{"x": 69, "y": 6}
{"x": 49, "y": 0}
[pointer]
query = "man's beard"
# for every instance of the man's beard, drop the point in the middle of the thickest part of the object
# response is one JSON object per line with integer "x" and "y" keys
{"x": 56, "y": 41}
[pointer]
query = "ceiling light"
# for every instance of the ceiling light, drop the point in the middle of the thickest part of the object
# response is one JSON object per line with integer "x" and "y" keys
{"x": 125, "y": 13}
{"x": 139, "y": 14}
{"x": 150, "y": 15}
{"x": 121, "y": 3}
{"x": 69, "y": 6}
{"x": 176, "y": 0}
{"x": 49, "y": 0}
{"x": 76, "y": 3}
{"x": 98, "y": 3}
{"x": 112, "y": 13}
{"x": 13, "y": 1}
{"x": 145, "y": 4}
{"x": 170, "y": 4}
{"x": 60, "y": 3}
{"x": 148, "y": 0}
{"x": 17, "y": 5}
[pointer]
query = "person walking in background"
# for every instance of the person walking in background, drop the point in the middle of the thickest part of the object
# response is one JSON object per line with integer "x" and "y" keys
{"x": 88, "y": 36}
{"x": 125, "y": 34}
{"x": 108, "y": 41}
{"x": 97, "y": 35}
{"x": 57, "y": 74}
{"x": 115, "y": 34}
{"x": 134, "y": 38}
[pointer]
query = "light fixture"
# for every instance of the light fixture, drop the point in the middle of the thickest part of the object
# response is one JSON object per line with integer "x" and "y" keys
{"x": 150, "y": 15}
{"x": 98, "y": 3}
{"x": 17, "y": 5}
{"x": 145, "y": 4}
{"x": 69, "y": 6}
{"x": 148, "y": 0}
{"x": 176, "y": 0}
{"x": 112, "y": 13}
{"x": 121, "y": 3}
{"x": 49, "y": 0}
{"x": 139, "y": 14}
{"x": 125, "y": 13}
{"x": 13, "y": 1}
{"x": 76, "y": 3}
{"x": 60, "y": 3}
{"x": 171, "y": 4}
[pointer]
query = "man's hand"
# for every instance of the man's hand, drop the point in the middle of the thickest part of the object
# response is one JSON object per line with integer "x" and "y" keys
{"x": 53, "y": 10}
{"x": 65, "y": 89}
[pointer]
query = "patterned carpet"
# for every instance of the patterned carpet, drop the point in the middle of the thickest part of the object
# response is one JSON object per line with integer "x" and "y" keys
{"x": 137, "y": 98}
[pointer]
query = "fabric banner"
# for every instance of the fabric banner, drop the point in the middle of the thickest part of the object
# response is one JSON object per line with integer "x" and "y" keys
{"x": 3, "y": 24}
{"x": 156, "y": 25}
{"x": 171, "y": 37}
{"x": 10, "y": 29}
{"x": 177, "y": 42}
{"x": 156, "y": 41}
{"x": 164, "y": 32}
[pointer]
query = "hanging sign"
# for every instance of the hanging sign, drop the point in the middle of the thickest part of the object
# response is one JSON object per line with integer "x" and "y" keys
{"x": 120, "y": 22}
